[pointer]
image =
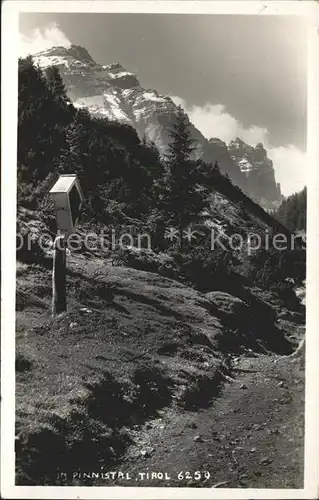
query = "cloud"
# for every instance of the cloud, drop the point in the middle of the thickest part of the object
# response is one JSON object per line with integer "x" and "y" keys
{"x": 290, "y": 165}
{"x": 214, "y": 121}
{"x": 41, "y": 39}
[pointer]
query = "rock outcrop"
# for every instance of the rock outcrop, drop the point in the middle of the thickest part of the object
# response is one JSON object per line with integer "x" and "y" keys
{"x": 258, "y": 170}
{"x": 217, "y": 149}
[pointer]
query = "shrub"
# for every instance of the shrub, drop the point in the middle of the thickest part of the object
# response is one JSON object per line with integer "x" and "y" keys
{"x": 269, "y": 267}
{"x": 203, "y": 267}
{"x": 34, "y": 238}
{"x": 146, "y": 260}
{"x": 286, "y": 292}
{"x": 200, "y": 267}
{"x": 154, "y": 389}
{"x": 199, "y": 393}
{"x": 22, "y": 363}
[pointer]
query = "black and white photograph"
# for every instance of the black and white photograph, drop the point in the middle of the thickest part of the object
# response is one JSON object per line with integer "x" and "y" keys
{"x": 160, "y": 183}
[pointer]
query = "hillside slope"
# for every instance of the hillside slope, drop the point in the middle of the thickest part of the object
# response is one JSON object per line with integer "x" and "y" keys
{"x": 133, "y": 347}
{"x": 86, "y": 378}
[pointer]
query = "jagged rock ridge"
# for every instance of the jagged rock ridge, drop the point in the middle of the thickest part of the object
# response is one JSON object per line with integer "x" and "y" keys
{"x": 113, "y": 92}
{"x": 257, "y": 168}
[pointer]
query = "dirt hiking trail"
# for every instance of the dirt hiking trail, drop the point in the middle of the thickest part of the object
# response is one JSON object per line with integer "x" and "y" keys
{"x": 249, "y": 437}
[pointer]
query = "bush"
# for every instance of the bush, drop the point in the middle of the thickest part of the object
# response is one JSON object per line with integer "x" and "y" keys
{"x": 269, "y": 267}
{"x": 202, "y": 267}
{"x": 147, "y": 260}
{"x": 22, "y": 363}
{"x": 286, "y": 292}
{"x": 154, "y": 389}
{"x": 199, "y": 393}
{"x": 33, "y": 237}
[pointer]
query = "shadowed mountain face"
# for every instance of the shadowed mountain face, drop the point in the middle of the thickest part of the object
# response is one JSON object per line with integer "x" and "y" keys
{"x": 258, "y": 170}
{"x": 112, "y": 92}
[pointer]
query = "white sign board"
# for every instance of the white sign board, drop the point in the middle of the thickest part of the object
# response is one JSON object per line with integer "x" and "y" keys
{"x": 68, "y": 199}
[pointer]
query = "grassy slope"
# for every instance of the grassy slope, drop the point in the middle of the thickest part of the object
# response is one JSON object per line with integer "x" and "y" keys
{"x": 246, "y": 210}
{"x": 89, "y": 379}
{"x": 67, "y": 364}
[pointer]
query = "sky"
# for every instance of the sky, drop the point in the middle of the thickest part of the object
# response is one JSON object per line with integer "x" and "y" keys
{"x": 235, "y": 76}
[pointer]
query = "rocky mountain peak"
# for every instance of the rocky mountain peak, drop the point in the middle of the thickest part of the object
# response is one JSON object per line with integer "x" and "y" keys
{"x": 113, "y": 92}
{"x": 257, "y": 168}
{"x": 80, "y": 53}
{"x": 120, "y": 76}
{"x": 114, "y": 66}
{"x": 217, "y": 142}
{"x": 237, "y": 143}
{"x": 75, "y": 52}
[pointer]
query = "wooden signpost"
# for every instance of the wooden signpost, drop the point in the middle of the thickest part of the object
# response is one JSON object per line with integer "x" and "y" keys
{"x": 68, "y": 199}
{"x": 58, "y": 276}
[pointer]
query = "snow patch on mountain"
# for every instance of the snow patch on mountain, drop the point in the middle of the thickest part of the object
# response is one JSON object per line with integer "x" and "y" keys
{"x": 244, "y": 165}
{"x": 45, "y": 62}
{"x": 120, "y": 74}
{"x": 153, "y": 96}
{"x": 108, "y": 105}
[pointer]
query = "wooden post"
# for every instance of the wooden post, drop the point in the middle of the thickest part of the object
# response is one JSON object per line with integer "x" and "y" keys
{"x": 58, "y": 276}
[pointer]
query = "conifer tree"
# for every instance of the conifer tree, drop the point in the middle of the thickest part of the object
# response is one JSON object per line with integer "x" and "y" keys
{"x": 183, "y": 200}
{"x": 55, "y": 84}
{"x": 43, "y": 117}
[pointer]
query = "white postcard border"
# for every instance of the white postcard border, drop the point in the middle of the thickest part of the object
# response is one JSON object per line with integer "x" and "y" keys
{"x": 10, "y": 11}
